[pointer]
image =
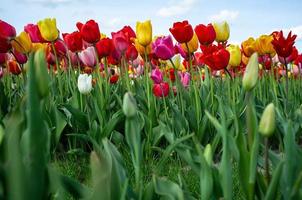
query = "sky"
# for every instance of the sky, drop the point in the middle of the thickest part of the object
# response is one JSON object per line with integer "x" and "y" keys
{"x": 245, "y": 17}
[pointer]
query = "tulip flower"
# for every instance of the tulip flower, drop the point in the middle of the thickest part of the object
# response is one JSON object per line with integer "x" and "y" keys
{"x": 7, "y": 31}
{"x": 291, "y": 57}
{"x": 22, "y": 43}
{"x": 48, "y": 29}
{"x": 84, "y": 83}
{"x": 90, "y": 31}
{"x": 267, "y": 123}
{"x": 88, "y": 57}
{"x": 144, "y": 32}
{"x": 113, "y": 79}
{"x": 39, "y": 46}
{"x": 73, "y": 41}
{"x": 131, "y": 53}
{"x": 182, "y": 31}
{"x": 235, "y": 55}
{"x": 104, "y": 47}
{"x": 192, "y": 45}
{"x": 248, "y": 46}
{"x": 129, "y": 33}
{"x": 163, "y": 47}
{"x": 141, "y": 49}
{"x": 129, "y": 105}
{"x": 266, "y": 61}
{"x": 216, "y": 57}
{"x": 20, "y": 57}
{"x": 60, "y": 48}
{"x": 14, "y": 67}
{"x": 263, "y": 45}
{"x": 120, "y": 41}
{"x": 250, "y": 76}
{"x": 34, "y": 33}
{"x": 282, "y": 45}
{"x": 5, "y": 45}
{"x": 157, "y": 76}
{"x": 206, "y": 34}
{"x": 161, "y": 89}
{"x": 222, "y": 31}
{"x": 185, "y": 78}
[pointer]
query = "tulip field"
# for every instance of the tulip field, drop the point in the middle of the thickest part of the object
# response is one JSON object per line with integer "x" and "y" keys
{"x": 131, "y": 115}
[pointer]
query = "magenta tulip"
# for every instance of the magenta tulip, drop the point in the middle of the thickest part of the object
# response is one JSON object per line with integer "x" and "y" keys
{"x": 163, "y": 47}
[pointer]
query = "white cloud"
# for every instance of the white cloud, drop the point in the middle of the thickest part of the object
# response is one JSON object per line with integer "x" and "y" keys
{"x": 178, "y": 8}
{"x": 227, "y": 15}
{"x": 295, "y": 30}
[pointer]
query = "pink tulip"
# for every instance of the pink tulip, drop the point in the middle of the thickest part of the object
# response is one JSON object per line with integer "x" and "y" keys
{"x": 157, "y": 76}
{"x": 185, "y": 79}
{"x": 120, "y": 41}
{"x": 20, "y": 57}
{"x": 88, "y": 57}
{"x": 163, "y": 47}
{"x": 34, "y": 33}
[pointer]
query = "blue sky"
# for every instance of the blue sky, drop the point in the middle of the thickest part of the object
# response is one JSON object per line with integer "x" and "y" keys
{"x": 246, "y": 17}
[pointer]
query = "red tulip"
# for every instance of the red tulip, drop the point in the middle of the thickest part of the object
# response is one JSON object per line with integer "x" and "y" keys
{"x": 34, "y": 33}
{"x": 129, "y": 33}
{"x": 60, "y": 48}
{"x": 266, "y": 61}
{"x": 90, "y": 31}
{"x": 216, "y": 57}
{"x": 7, "y": 31}
{"x": 283, "y": 47}
{"x": 114, "y": 78}
{"x": 2, "y": 58}
{"x": 161, "y": 89}
{"x": 73, "y": 41}
{"x": 206, "y": 34}
{"x": 291, "y": 57}
{"x": 20, "y": 57}
{"x": 131, "y": 53}
{"x": 182, "y": 31}
{"x": 5, "y": 45}
{"x": 171, "y": 75}
{"x": 14, "y": 67}
{"x": 104, "y": 47}
{"x": 120, "y": 41}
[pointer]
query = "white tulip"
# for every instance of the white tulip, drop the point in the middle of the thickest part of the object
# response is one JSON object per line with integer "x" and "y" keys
{"x": 85, "y": 83}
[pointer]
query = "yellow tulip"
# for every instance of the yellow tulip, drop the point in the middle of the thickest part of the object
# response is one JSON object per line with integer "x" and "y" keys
{"x": 235, "y": 55}
{"x": 48, "y": 29}
{"x": 263, "y": 45}
{"x": 22, "y": 43}
{"x": 222, "y": 31}
{"x": 144, "y": 32}
{"x": 244, "y": 59}
{"x": 141, "y": 49}
{"x": 192, "y": 45}
{"x": 248, "y": 46}
{"x": 177, "y": 63}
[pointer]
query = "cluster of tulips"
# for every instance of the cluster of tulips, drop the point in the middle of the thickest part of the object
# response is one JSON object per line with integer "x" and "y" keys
{"x": 129, "y": 53}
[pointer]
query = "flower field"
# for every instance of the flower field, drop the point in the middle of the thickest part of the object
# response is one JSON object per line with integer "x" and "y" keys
{"x": 186, "y": 115}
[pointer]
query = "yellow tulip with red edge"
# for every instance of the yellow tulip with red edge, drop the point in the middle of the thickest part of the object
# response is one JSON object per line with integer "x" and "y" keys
{"x": 22, "y": 43}
{"x": 144, "y": 32}
{"x": 48, "y": 29}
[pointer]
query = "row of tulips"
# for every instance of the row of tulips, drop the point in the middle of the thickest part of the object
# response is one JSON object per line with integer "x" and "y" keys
{"x": 134, "y": 103}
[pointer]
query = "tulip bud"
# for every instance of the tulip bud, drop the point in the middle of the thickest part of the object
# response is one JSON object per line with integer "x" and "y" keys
{"x": 267, "y": 122}
{"x": 129, "y": 105}
{"x": 250, "y": 76}
{"x": 84, "y": 83}
{"x": 222, "y": 31}
{"x": 208, "y": 154}
{"x": 41, "y": 73}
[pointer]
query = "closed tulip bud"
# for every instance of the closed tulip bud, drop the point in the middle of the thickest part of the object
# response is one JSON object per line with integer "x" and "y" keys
{"x": 22, "y": 43}
{"x": 144, "y": 32}
{"x": 235, "y": 55}
{"x": 267, "y": 123}
{"x": 84, "y": 83}
{"x": 250, "y": 76}
{"x": 208, "y": 154}
{"x": 48, "y": 29}
{"x": 129, "y": 105}
{"x": 192, "y": 44}
{"x": 41, "y": 73}
{"x": 222, "y": 31}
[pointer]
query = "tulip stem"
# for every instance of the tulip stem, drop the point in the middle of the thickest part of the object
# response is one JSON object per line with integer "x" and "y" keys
{"x": 228, "y": 72}
{"x": 286, "y": 84}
